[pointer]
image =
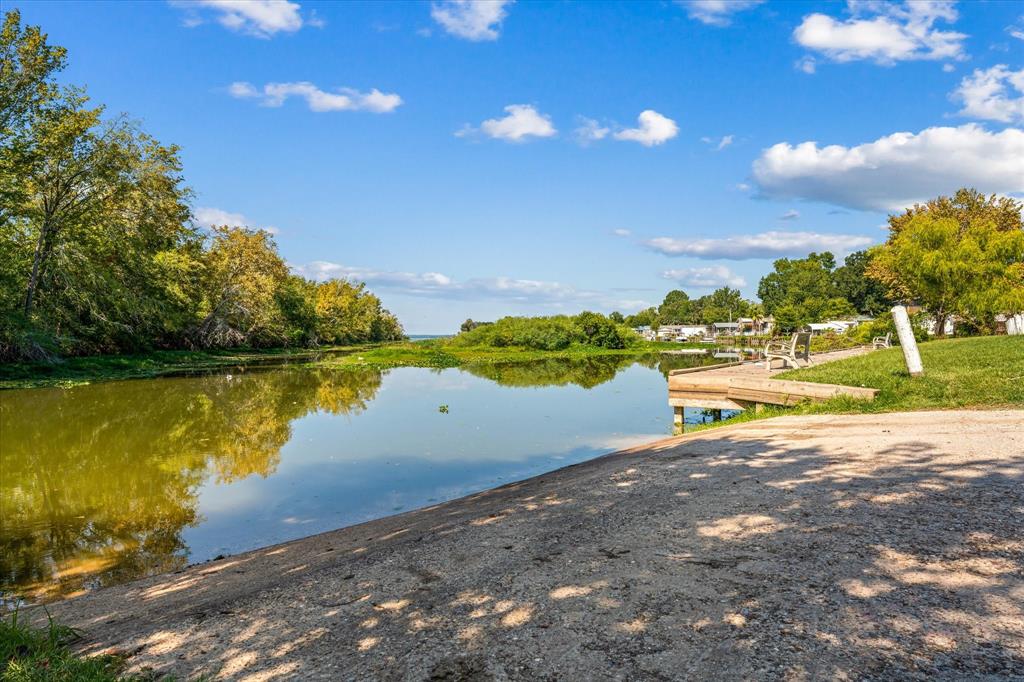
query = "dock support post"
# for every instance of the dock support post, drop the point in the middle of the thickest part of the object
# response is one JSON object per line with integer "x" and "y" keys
{"x": 907, "y": 341}
{"x": 677, "y": 420}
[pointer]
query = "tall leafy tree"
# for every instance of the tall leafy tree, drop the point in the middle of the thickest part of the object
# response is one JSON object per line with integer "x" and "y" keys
{"x": 243, "y": 274}
{"x": 802, "y": 290}
{"x": 955, "y": 255}
{"x": 27, "y": 64}
{"x": 967, "y": 206}
{"x": 867, "y": 295}
{"x": 974, "y": 270}
{"x": 676, "y": 308}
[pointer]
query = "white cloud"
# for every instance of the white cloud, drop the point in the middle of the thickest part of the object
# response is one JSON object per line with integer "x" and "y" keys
{"x": 474, "y": 20}
{"x": 590, "y": 131}
{"x": 884, "y": 32}
{"x": 716, "y": 12}
{"x": 345, "y": 99}
{"x": 260, "y": 18}
{"x": 710, "y": 277}
{"x": 240, "y": 89}
{"x": 762, "y": 245}
{"x": 440, "y": 286}
{"x": 1017, "y": 29}
{"x": 996, "y": 94}
{"x": 897, "y": 170}
{"x": 654, "y": 129}
{"x": 791, "y": 214}
{"x": 948, "y": 68}
{"x": 621, "y": 233}
{"x": 207, "y": 216}
{"x": 522, "y": 121}
{"x": 806, "y": 64}
{"x": 720, "y": 143}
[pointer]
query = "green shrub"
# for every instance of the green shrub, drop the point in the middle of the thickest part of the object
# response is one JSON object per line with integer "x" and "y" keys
{"x": 557, "y": 332}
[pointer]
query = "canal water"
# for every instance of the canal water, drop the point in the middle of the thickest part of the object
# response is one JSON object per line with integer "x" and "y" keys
{"x": 104, "y": 483}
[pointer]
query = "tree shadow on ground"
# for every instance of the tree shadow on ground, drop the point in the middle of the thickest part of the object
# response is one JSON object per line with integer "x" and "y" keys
{"x": 824, "y": 547}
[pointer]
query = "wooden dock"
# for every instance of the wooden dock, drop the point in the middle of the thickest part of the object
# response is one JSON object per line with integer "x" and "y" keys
{"x": 748, "y": 385}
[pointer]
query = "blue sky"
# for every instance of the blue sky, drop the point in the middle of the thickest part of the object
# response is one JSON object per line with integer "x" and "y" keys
{"x": 478, "y": 159}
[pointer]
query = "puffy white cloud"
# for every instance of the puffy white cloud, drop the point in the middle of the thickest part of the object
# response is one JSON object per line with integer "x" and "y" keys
{"x": 711, "y": 277}
{"x": 622, "y": 233}
{"x": 897, "y": 170}
{"x": 345, "y": 99}
{"x": 590, "y": 131}
{"x": 996, "y": 94}
{"x": 208, "y": 216}
{"x": 716, "y": 12}
{"x": 474, "y": 20}
{"x": 762, "y": 245}
{"x": 438, "y": 285}
{"x": 884, "y": 32}
{"x": 654, "y": 129}
{"x": 260, "y": 18}
{"x": 522, "y": 121}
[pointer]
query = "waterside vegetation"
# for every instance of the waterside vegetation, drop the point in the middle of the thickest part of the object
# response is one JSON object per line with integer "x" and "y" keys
{"x": 43, "y": 654}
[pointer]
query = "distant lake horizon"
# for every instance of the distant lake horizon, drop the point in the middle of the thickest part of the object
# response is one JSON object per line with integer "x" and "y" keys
{"x": 427, "y": 337}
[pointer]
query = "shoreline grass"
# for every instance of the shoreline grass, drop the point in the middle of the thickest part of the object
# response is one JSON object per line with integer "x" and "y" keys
{"x": 88, "y": 369}
{"x": 435, "y": 353}
{"x": 41, "y": 654}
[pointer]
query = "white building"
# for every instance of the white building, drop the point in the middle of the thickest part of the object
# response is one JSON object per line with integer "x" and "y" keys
{"x": 681, "y": 332}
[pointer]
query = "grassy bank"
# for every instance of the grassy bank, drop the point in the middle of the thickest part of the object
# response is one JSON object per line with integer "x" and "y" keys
{"x": 981, "y": 372}
{"x": 80, "y": 370}
{"x": 433, "y": 353}
{"x": 31, "y": 654}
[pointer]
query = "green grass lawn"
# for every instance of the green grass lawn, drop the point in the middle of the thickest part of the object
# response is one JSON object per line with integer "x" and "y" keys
{"x": 980, "y": 372}
{"x": 983, "y": 371}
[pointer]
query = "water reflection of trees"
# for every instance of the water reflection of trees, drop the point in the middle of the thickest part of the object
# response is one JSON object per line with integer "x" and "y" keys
{"x": 666, "y": 362}
{"x": 586, "y": 371}
{"x": 98, "y": 482}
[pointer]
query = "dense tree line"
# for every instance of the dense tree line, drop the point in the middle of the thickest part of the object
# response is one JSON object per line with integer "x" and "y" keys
{"x": 98, "y": 250}
{"x": 721, "y": 305}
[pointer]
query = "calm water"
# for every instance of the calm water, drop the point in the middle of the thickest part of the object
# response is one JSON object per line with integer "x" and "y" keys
{"x": 105, "y": 483}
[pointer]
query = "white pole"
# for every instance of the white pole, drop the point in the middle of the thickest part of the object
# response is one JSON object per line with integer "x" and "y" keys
{"x": 907, "y": 341}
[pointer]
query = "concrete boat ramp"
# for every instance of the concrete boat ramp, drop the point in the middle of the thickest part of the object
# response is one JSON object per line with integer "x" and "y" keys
{"x": 882, "y": 546}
